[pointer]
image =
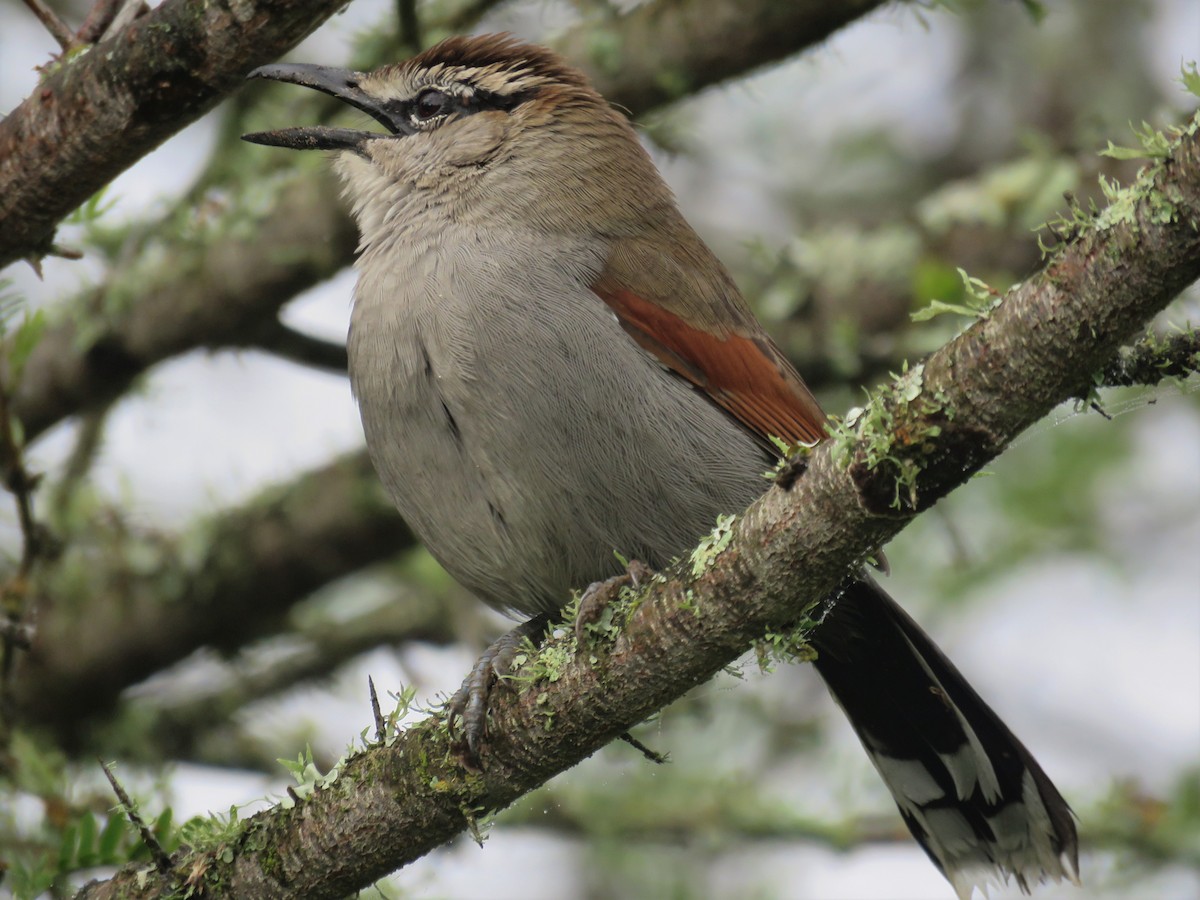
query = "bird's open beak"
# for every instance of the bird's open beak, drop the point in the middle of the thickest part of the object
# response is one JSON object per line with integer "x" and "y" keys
{"x": 340, "y": 83}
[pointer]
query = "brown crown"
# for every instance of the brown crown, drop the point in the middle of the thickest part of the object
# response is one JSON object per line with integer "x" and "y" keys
{"x": 499, "y": 51}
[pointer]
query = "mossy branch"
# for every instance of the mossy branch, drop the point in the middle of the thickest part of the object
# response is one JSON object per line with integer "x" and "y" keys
{"x": 393, "y": 802}
{"x": 1153, "y": 359}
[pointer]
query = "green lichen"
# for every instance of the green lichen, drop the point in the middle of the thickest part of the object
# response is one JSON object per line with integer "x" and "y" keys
{"x": 979, "y": 301}
{"x": 705, "y": 554}
{"x": 1124, "y": 205}
{"x": 893, "y": 428}
{"x": 788, "y": 646}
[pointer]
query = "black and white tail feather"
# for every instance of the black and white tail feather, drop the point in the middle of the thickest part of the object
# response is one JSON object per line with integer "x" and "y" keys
{"x": 969, "y": 791}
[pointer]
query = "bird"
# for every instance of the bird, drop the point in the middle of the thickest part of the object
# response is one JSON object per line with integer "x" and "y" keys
{"x": 552, "y": 368}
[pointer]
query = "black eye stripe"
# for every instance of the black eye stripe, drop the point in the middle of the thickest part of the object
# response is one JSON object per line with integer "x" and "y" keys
{"x": 432, "y": 105}
{"x": 504, "y": 102}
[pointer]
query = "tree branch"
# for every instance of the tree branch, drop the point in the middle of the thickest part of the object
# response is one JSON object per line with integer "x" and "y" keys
{"x": 100, "y": 112}
{"x": 209, "y": 292}
{"x": 199, "y": 726}
{"x": 257, "y": 562}
{"x": 939, "y": 424}
{"x": 303, "y": 349}
{"x": 1152, "y": 359}
{"x": 59, "y": 30}
{"x": 665, "y": 50}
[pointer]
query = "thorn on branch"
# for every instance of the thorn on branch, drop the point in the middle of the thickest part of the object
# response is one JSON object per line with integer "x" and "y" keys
{"x": 64, "y": 252}
{"x": 162, "y": 861}
{"x": 380, "y": 723}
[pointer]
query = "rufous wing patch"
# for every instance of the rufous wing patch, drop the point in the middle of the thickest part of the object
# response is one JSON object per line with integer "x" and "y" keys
{"x": 746, "y": 375}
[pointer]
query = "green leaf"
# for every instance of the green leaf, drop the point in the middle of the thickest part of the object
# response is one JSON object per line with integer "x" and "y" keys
{"x": 66, "y": 847}
{"x": 92, "y": 209}
{"x": 24, "y": 340}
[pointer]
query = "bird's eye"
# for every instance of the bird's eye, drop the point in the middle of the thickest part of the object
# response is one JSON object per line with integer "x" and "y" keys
{"x": 430, "y": 104}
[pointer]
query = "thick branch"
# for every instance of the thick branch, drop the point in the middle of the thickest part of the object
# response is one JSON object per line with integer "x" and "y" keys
{"x": 257, "y": 563}
{"x": 104, "y": 110}
{"x": 947, "y": 419}
{"x": 210, "y": 293}
{"x": 666, "y": 50}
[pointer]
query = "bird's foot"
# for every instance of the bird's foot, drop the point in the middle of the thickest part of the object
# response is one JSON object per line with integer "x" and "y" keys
{"x": 601, "y": 593}
{"x": 470, "y": 702}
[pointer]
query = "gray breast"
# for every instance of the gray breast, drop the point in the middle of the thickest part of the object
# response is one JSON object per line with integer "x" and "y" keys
{"x": 521, "y": 433}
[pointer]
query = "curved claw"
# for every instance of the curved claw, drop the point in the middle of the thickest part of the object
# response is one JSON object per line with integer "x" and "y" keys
{"x": 470, "y": 702}
{"x": 600, "y": 593}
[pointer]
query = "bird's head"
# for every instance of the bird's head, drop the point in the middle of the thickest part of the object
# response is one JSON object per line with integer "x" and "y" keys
{"x": 489, "y": 123}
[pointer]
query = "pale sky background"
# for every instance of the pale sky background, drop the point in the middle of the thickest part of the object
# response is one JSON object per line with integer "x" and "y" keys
{"x": 1075, "y": 657}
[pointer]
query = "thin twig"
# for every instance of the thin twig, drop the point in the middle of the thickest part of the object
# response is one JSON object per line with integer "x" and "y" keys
{"x": 15, "y": 592}
{"x": 88, "y": 439}
{"x": 58, "y": 29}
{"x": 98, "y": 19}
{"x": 162, "y": 861}
{"x": 288, "y": 343}
{"x": 653, "y": 755}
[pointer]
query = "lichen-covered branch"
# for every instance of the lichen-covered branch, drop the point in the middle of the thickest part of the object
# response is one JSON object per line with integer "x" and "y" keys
{"x": 1153, "y": 359}
{"x": 926, "y": 434}
{"x": 102, "y": 110}
{"x": 206, "y": 292}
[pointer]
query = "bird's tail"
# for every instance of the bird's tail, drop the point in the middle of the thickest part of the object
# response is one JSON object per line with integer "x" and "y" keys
{"x": 969, "y": 791}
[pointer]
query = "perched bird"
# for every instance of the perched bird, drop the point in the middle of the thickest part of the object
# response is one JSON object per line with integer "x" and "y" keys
{"x": 552, "y": 366}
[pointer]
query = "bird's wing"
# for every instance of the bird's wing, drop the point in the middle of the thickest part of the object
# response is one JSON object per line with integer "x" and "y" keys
{"x": 710, "y": 338}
